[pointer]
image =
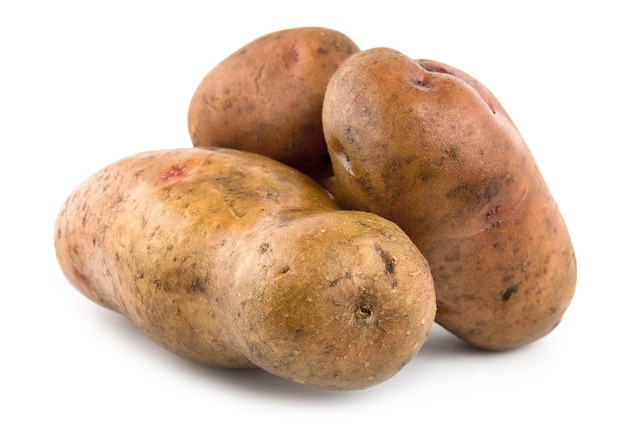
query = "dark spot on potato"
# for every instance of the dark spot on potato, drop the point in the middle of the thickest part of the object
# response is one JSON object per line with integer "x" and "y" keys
{"x": 348, "y": 135}
{"x": 458, "y": 190}
{"x": 118, "y": 200}
{"x": 363, "y": 312}
{"x": 196, "y": 286}
{"x": 508, "y": 292}
{"x": 272, "y": 196}
{"x": 452, "y": 152}
{"x": 419, "y": 220}
{"x": 490, "y": 192}
{"x": 478, "y": 195}
{"x": 387, "y": 259}
{"x": 451, "y": 257}
{"x": 297, "y": 331}
{"x": 161, "y": 285}
{"x": 366, "y": 185}
{"x": 394, "y": 165}
{"x": 335, "y": 281}
{"x": 207, "y": 100}
{"x": 264, "y": 248}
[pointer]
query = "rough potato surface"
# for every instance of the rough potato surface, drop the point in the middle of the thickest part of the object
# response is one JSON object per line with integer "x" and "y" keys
{"x": 429, "y": 147}
{"x": 235, "y": 260}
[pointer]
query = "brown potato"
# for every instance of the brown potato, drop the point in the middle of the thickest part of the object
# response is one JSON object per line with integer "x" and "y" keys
{"x": 235, "y": 260}
{"x": 267, "y": 97}
{"x": 430, "y": 148}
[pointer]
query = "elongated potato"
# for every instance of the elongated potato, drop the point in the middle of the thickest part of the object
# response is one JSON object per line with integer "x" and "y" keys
{"x": 429, "y": 147}
{"x": 267, "y": 97}
{"x": 234, "y": 260}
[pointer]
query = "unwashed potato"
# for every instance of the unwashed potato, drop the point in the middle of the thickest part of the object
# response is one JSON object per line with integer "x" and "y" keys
{"x": 429, "y": 147}
{"x": 235, "y": 260}
{"x": 267, "y": 97}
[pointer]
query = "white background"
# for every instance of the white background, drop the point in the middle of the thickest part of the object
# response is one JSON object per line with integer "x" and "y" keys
{"x": 83, "y": 84}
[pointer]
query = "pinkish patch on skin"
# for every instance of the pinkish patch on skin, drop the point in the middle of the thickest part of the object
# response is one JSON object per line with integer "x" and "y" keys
{"x": 178, "y": 172}
{"x": 175, "y": 173}
{"x": 295, "y": 53}
{"x": 83, "y": 279}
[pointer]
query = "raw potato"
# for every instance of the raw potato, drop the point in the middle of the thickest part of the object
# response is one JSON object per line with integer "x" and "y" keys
{"x": 267, "y": 97}
{"x": 235, "y": 260}
{"x": 430, "y": 148}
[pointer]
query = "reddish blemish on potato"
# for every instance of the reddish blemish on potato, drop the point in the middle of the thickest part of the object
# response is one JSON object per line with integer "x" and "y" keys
{"x": 295, "y": 53}
{"x": 84, "y": 281}
{"x": 176, "y": 173}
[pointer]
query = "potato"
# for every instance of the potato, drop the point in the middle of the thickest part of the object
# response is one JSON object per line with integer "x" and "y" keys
{"x": 430, "y": 148}
{"x": 267, "y": 97}
{"x": 233, "y": 259}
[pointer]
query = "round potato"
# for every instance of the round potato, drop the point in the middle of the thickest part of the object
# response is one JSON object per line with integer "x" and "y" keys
{"x": 233, "y": 259}
{"x": 267, "y": 97}
{"x": 429, "y": 147}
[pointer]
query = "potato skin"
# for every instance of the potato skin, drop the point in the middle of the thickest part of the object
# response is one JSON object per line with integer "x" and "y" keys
{"x": 429, "y": 147}
{"x": 267, "y": 97}
{"x": 341, "y": 315}
{"x": 235, "y": 260}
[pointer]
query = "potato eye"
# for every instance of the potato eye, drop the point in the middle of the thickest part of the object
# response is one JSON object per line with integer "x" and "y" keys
{"x": 363, "y": 312}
